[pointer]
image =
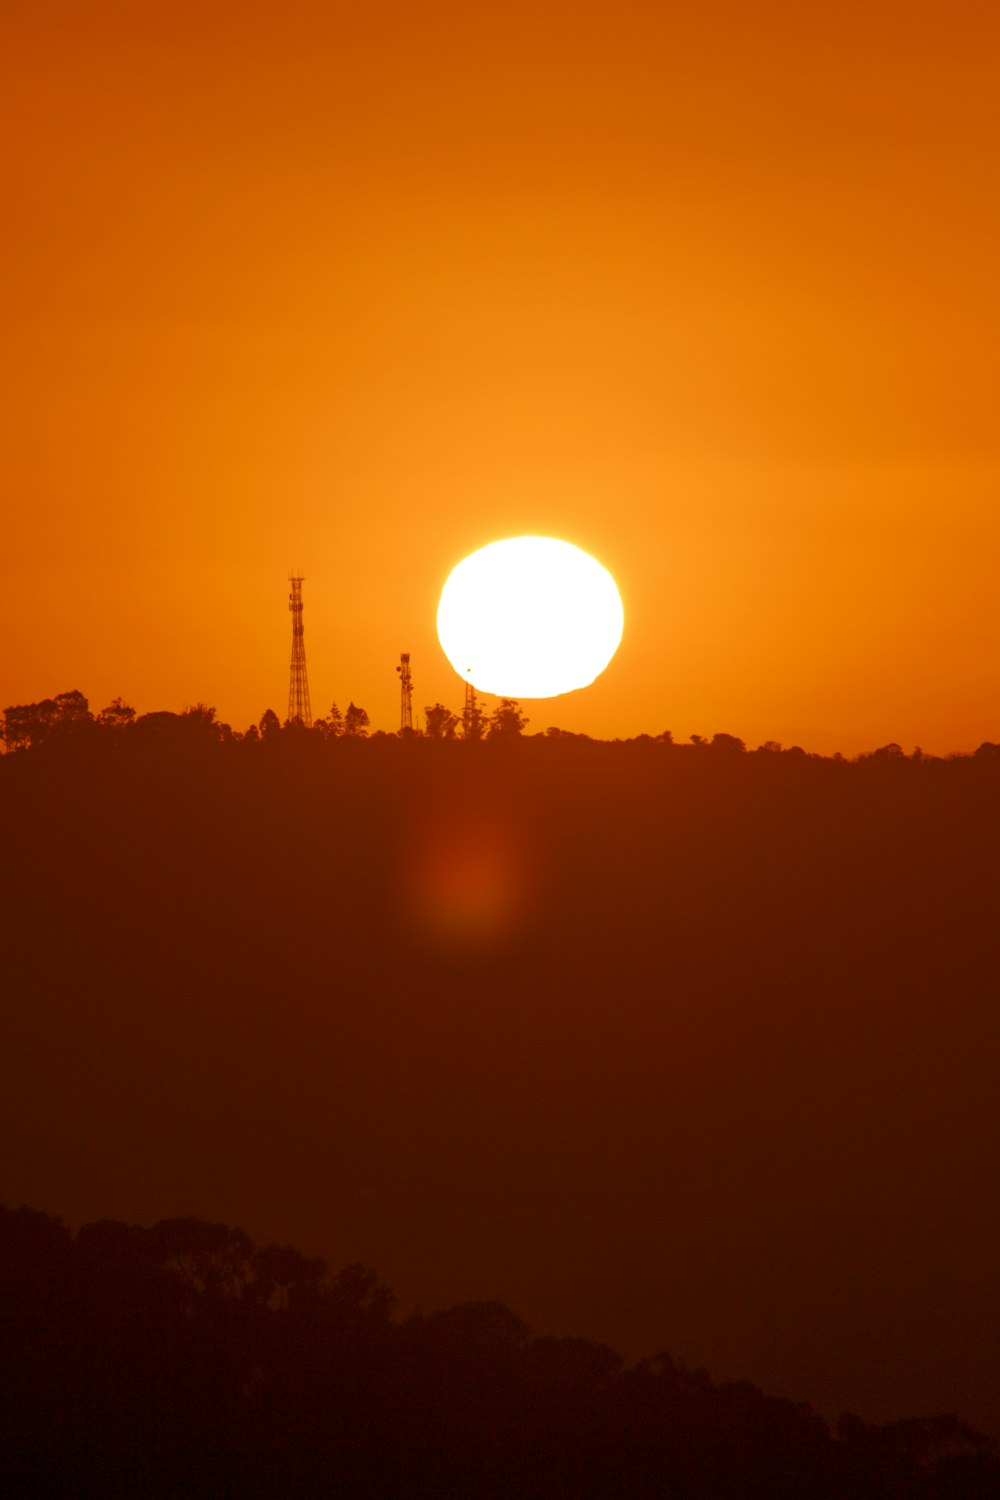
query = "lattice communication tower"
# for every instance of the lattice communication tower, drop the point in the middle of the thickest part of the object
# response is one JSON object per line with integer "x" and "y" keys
{"x": 298, "y": 683}
{"x": 405, "y": 692}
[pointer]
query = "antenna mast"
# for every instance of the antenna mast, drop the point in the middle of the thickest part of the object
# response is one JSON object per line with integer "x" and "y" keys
{"x": 470, "y": 713}
{"x": 405, "y": 692}
{"x": 298, "y": 683}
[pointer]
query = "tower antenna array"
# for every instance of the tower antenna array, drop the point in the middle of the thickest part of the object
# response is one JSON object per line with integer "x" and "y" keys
{"x": 298, "y": 682}
{"x": 405, "y": 692}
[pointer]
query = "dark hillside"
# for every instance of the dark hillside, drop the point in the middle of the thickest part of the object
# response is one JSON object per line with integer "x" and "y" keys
{"x": 679, "y": 1047}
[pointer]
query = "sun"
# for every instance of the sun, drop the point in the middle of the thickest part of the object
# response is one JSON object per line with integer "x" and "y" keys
{"x": 530, "y": 617}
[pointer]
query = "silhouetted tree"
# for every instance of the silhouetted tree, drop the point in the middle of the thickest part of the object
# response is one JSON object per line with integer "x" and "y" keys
{"x": 356, "y": 1293}
{"x": 117, "y": 715}
{"x": 285, "y": 1279}
{"x": 356, "y": 722}
{"x": 477, "y": 1325}
{"x": 211, "y": 1260}
{"x": 31, "y": 724}
{"x": 440, "y": 722}
{"x": 24, "y": 724}
{"x": 159, "y": 723}
{"x": 270, "y": 725}
{"x": 72, "y": 711}
{"x": 200, "y": 719}
{"x": 507, "y": 721}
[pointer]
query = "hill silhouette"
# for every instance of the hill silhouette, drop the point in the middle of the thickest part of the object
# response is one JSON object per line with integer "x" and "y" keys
{"x": 183, "y": 1359}
{"x": 673, "y": 1046}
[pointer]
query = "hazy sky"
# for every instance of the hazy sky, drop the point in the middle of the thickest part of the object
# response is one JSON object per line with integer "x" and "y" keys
{"x": 709, "y": 290}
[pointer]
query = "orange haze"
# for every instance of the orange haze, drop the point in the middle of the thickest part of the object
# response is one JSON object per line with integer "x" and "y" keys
{"x": 710, "y": 290}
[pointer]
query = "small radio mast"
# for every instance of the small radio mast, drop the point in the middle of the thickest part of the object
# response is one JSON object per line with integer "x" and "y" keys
{"x": 471, "y": 718}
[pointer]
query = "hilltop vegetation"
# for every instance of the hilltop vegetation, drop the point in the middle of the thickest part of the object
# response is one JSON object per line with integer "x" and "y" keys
{"x": 67, "y": 718}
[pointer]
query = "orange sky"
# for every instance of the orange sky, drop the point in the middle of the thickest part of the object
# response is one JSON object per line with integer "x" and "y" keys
{"x": 710, "y": 290}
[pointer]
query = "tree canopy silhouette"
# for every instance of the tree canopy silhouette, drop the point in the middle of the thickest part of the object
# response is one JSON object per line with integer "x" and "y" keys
{"x": 182, "y": 1358}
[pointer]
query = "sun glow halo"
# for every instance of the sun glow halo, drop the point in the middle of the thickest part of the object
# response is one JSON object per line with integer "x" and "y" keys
{"x": 530, "y": 617}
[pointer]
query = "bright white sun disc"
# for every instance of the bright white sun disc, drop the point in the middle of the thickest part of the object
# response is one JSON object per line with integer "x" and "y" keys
{"x": 530, "y": 617}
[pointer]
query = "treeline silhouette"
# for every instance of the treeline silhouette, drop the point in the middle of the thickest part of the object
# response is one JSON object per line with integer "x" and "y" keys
{"x": 67, "y": 719}
{"x": 182, "y": 1359}
{"x": 677, "y": 1046}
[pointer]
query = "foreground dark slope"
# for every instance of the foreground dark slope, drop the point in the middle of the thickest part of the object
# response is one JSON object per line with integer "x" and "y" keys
{"x": 678, "y": 1048}
{"x": 183, "y": 1360}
